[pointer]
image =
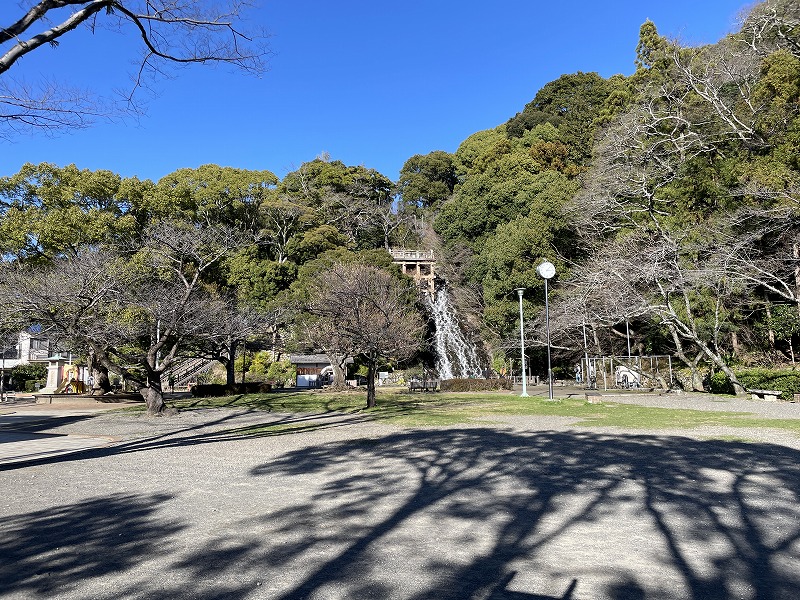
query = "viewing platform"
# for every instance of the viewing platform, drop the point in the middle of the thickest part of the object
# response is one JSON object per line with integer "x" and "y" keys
{"x": 417, "y": 264}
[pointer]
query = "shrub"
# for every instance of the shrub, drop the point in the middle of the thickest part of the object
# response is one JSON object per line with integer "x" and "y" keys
{"x": 282, "y": 372}
{"x": 28, "y": 371}
{"x": 206, "y": 390}
{"x": 27, "y": 375}
{"x": 785, "y": 380}
{"x": 720, "y": 384}
{"x": 475, "y": 385}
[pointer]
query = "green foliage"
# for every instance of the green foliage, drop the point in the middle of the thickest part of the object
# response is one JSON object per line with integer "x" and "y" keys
{"x": 784, "y": 380}
{"x": 783, "y": 321}
{"x": 47, "y": 211}
{"x": 321, "y": 176}
{"x": 259, "y": 281}
{"x": 475, "y": 385}
{"x": 210, "y": 194}
{"x": 261, "y": 367}
{"x": 282, "y": 372}
{"x": 513, "y": 185}
{"x": 310, "y": 244}
{"x": 259, "y": 363}
{"x": 572, "y": 103}
{"x": 508, "y": 261}
{"x": 27, "y": 374}
{"x": 651, "y": 51}
{"x": 427, "y": 180}
{"x": 779, "y": 87}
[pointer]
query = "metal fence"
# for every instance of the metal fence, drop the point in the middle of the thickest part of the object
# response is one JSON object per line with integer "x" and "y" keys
{"x": 624, "y": 372}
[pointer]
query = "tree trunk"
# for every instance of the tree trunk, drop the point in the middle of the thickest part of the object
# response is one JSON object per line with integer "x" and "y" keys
{"x": 770, "y": 330}
{"x": 735, "y": 346}
{"x": 153, "y": 395}
{"x": 339, "y": 370}
{"x": 738, "y": 388}
{"x": 102, "y": 382}
{"x": 229, "y": 362}
{"x": 796, "y": 256}
{"x": 596, "y": 339}
{"x": 371, "y": 368}
{"x": 98, "y": 367}
{"x": 230, "y": 370}
{"x": 695, "y": 377}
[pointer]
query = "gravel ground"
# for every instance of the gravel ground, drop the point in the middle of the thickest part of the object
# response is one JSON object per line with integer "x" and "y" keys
{"x": 201, "y": 505}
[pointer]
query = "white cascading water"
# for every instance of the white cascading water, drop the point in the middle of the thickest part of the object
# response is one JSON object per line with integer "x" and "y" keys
{"x": 457, "y": 357}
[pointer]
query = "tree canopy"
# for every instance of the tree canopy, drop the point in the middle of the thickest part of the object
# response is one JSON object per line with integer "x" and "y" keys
{"x": 668, "y": 201}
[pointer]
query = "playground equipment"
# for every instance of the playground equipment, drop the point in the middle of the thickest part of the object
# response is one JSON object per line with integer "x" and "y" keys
{"x": 617, "y": 372}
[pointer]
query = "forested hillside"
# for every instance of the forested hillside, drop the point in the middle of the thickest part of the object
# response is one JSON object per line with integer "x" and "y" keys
{"x": 667, "y": 199}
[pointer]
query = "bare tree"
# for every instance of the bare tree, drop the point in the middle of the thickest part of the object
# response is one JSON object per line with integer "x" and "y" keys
{"x": 770, "y": 25}
{"x": 68, "y": 300}
{"x": 365, "y": 311}
{"x": 676, "y": 282}
{"x": 172, "y": 32}
{"x": 135, "y": 313}
{"x": 645, "y": 259}
{"x": 282, "y": 219}
{"x": 321, "y": 333}
{"x": 235, "y": 324}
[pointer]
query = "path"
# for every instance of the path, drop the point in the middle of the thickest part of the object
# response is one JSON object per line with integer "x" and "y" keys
{"x": 227, "y": 504}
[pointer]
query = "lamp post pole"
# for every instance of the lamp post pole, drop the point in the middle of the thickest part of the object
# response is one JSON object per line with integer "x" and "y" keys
{"x": 587, "y": 380}
{"x": 546, "y": 271}
{"x": 524, "y": 393}
{"x": 628, "y": 336}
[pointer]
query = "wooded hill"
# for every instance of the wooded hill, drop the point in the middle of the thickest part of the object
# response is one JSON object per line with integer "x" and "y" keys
{"x": 668, "y": 201}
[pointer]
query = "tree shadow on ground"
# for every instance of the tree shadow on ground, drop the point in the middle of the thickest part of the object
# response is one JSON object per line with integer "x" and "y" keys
{"x": 176, "y": 435}
{"x": 448, "y": 514}
{"x": 32, "y": 424}
{"x": 49, "y": 553}
{"x": 719, "y": 519}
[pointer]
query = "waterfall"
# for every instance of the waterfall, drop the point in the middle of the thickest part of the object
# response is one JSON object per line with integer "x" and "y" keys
{"x": 457, "y": 357}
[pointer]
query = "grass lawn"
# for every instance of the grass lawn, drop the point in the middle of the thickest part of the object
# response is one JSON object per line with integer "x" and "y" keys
{"x": 417, "y": 409}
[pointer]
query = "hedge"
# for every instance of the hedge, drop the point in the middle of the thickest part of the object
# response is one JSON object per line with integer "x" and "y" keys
{"x": 205, "y": 390}
{"x": 785, "y": 380}
{"x": 475, "y": 385}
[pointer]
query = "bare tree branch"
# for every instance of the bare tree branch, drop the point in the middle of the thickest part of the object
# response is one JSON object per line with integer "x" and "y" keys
{"x": 177, "y": 32}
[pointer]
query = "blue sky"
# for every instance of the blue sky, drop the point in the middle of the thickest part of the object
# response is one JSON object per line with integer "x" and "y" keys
{"x": 369, "y": 83}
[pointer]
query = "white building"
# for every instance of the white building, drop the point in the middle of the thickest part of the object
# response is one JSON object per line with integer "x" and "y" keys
{"x": 29, "y": 348}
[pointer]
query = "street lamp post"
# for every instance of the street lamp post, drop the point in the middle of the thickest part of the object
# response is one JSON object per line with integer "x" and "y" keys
{"x": 524, "y": 393}
{"x": 546, "y": 270}
{"x": 3, "y": 374}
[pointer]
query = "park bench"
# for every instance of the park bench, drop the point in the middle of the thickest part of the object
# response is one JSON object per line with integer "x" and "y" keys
{"x": 428, "y": 385}
{"x": 768, "y": 395}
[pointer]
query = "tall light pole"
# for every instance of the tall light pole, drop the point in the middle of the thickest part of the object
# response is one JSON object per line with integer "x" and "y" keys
{"x": 628, "y": 336}
{"x": 524, "y": 393}
{"x": 587, "y": 380}
{"x": 546, "y": 270}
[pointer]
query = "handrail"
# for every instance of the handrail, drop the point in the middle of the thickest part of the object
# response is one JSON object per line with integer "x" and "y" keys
{"x": 401, "y": 253}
